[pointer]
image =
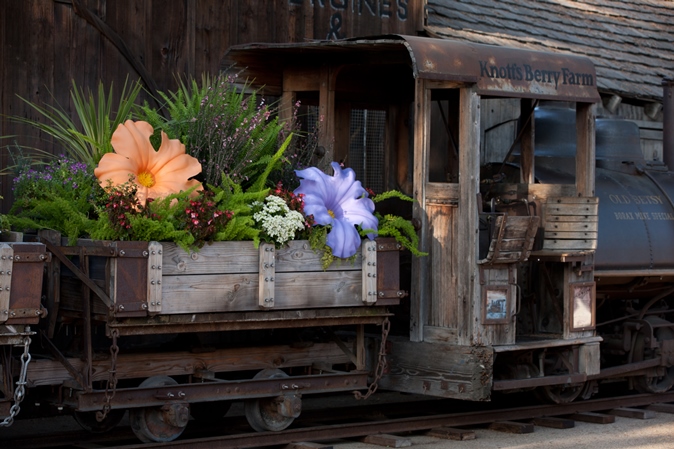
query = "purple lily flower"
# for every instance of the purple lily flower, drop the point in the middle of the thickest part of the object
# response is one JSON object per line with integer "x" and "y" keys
{"x": 338, "y": 201}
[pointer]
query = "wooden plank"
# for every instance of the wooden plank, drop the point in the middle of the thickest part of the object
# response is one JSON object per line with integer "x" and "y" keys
{"x": 512, "y": 427}
{"x": 572, "y": 218}
{"x": 569, "y": 245}
{"x": 569, "y": 200}
{"x": 239, "y": 292}
{"x": 662, "y": 408}
{"x": 443, "y": 312}
{"x": 570, "y": 235}
{"x": 129, "y": 365}
{"x": 571, "y": 209}
{"x": 592, "y": 417}
{"x": 387, "y": 440}
{"x": 420, "y": 265}
{"x": 585, "y": 149}
{"x": 243, "y": 257}
{"x": 636, "y": 413}
{"x": 553, "y": 422}
{"x": 575, "y": 226}
{"x": 307, "y": 445}
{"x": 450, "y": 433}
{"x": 441, "y": 191}
{"x": 467, "y": 215}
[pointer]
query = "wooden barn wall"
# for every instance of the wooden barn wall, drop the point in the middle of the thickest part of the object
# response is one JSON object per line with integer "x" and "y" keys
{"x": 46, "y": 44}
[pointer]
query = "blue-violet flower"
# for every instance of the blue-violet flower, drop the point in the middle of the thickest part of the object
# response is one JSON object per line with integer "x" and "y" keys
{"x": 338, "y": 201}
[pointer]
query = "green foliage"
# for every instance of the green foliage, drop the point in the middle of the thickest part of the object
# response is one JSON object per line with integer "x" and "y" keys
{"x": 59, "y": 197}
{"x": 228, "y": 130}
{"x": 395, "y": 226}
{"x": 88, "y": 139}
{"x": 391, "y": 194}
{"x": 400, "y": 229}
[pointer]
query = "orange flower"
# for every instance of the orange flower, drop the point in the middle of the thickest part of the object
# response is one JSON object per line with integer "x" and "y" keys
{"x": 156, "y": 173}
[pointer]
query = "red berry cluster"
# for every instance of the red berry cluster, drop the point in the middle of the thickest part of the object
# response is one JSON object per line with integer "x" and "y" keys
{"x": 122, "y": 204}
{"x": 202, "y": 218}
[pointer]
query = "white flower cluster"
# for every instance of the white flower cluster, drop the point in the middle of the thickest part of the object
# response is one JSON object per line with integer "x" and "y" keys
{"x": 277, "y": 220}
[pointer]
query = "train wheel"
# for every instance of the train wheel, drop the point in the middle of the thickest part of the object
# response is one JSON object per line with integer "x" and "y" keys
{"x": 159, "y": 424}
{"x": 560, "y": 394}
{"x": 272, "y": 414}
{"x": 653, "y": 383}
{"x": 209, "y": 412}
{"x": 88, "y": 421}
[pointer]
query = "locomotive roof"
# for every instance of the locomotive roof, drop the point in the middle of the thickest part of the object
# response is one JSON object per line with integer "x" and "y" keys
{"x": 498, "y": 71}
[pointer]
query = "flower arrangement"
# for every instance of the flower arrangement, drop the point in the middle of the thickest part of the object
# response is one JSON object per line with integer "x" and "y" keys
{"x": 213, "y": 171}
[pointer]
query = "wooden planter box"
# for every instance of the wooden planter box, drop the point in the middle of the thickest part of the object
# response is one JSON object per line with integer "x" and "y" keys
{"x": 151, "y": 279}
{"x": 21, "y": 274}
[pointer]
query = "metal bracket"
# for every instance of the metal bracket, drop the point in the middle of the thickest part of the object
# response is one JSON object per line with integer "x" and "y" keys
{"x": 154, "y": 288}
{"x": 369, "y": 271}
{"x": 267, "y": 273}
{"x": 6, "y": 262}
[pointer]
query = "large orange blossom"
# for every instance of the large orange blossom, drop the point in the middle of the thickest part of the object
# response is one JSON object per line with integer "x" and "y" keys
{"x": 156, "y": 173}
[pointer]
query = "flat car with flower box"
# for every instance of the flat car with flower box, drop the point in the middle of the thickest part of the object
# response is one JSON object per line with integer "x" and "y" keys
{"x": 242, "y": 249}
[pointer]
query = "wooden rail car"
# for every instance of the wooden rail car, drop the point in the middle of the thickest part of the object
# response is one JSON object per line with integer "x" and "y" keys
{"x": 445, "y": 109}
{"x": 21, "y": 271}
{"x": 165, "y": 334}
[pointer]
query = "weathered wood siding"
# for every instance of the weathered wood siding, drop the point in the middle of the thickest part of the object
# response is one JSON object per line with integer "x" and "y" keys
{"x": 46, "y": 44}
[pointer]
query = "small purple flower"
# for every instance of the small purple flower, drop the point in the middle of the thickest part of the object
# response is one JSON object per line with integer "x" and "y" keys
{"x": 339, "y": 201}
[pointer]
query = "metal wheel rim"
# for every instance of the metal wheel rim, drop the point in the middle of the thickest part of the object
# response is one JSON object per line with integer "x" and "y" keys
{"x": 261, "y": 413}
{"x": 146, "y": 422}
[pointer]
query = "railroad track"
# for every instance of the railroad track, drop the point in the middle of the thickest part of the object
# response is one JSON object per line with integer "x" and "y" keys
{"x": 322, "y": 426}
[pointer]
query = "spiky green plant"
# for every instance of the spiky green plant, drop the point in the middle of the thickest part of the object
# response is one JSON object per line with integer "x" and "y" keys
{"x": 87, "y": 139}
{"x": 227, "y": 127}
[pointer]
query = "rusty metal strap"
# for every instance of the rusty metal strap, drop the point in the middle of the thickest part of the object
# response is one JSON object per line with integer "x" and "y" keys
{"x": 80, "y": 275}
{"x": 20, "y": 257}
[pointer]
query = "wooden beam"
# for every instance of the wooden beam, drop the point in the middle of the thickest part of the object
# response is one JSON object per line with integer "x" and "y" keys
{"x": 636, "y": 413}
{"x": 420, "y": 290}
{"x": 585, "y": 148}
{"x": 469, "y": 178}
{"x": 527, "y": 143}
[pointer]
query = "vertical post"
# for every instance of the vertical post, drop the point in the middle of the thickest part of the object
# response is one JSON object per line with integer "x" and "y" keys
{"x": 469, "y": 187}
{"x": 420, "y": 279}
{"x": 326, "y": 114}
{"x": 585, "y": 148}
{"x": 528, "y": 136}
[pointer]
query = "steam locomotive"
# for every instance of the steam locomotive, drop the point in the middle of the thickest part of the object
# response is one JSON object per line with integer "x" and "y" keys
{"x": 547, "y": 266}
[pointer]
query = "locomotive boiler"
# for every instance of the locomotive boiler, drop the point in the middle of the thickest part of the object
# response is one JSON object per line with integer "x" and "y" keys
{"x": 634, "y": 266}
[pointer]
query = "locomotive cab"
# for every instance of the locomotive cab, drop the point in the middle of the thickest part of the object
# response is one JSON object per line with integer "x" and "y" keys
{"x": 505, "y": 298}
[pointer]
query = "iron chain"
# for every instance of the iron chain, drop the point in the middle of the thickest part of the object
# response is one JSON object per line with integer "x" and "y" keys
{"x": 20, "y": 391}
{"x": 382, "y": 364}
{"x": 111, "y": 385}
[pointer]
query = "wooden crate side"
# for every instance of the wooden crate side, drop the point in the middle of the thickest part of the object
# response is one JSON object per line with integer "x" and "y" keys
{"x": 21, "y": 274}
{"x": 239, "y": 292}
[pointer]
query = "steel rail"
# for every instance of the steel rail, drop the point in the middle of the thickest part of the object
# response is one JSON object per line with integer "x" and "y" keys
{"x": 415, "y": 424}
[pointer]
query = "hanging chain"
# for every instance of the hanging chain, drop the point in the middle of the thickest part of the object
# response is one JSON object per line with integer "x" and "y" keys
{"x": 112, "y": 378}
{"x": 382, "y": 364}
{"x": 20, "y": 391}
